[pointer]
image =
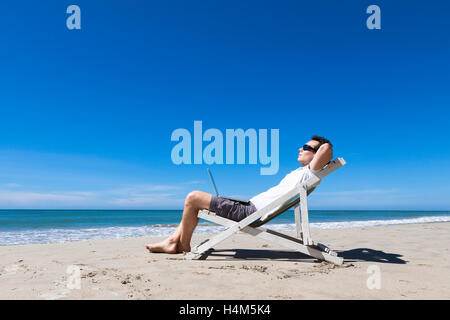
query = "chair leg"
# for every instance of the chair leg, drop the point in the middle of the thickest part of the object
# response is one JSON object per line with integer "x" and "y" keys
{"x": 298, "y": 226}
{"x": 233, "y": 227}
{"x": 304, "y": 215}
{"x": 208, "y": 244}
{"x": 293, "y": 243}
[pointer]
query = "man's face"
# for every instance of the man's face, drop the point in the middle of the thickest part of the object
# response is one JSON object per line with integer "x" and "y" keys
{"x": 305, "y": 156}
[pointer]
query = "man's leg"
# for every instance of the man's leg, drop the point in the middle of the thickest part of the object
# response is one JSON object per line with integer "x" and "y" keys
{"x": 180, "y": 240}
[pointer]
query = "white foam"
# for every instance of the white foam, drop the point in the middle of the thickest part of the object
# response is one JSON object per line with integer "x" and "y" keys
{"x": 370, "y": 223}
{"x": 68, "y": 235}
{"x": 360, "y": 224}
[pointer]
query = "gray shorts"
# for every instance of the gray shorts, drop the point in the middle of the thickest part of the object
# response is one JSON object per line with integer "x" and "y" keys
{"x": 230, "y": 209}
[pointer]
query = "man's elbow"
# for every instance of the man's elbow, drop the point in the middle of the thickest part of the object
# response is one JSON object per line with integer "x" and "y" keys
{"x": 327, "y": 152}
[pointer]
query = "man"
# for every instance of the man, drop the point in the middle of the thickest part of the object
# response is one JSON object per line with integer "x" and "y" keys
{"x": 314, "y": 155}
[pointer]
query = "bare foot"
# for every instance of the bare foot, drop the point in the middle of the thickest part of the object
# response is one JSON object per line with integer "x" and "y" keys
{"x": 167, "y": 246}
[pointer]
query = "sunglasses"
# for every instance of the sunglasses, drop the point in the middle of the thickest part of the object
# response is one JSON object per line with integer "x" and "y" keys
{"x": 307, "y": 147}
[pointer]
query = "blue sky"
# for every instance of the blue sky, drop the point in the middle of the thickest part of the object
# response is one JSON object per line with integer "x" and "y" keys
{"x": 86, "y": 115}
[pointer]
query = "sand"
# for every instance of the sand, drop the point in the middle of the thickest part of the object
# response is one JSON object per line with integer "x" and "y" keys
{"x": 386, "y": 262}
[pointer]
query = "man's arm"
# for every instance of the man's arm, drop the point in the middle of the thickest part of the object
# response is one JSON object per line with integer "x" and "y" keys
{"x": 322, "y": 157}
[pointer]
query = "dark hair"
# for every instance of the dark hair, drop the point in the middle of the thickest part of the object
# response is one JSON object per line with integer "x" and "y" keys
{"x": 321, "y": 141}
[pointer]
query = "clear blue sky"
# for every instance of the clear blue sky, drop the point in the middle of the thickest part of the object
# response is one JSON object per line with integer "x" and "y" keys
{"x": 86, "y": 115}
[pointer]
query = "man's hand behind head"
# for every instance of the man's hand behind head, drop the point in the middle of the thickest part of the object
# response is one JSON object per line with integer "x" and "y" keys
{"x": 323, "y": 155}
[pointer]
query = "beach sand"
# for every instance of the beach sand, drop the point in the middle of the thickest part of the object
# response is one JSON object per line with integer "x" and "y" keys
{"x": 413, "y": 263}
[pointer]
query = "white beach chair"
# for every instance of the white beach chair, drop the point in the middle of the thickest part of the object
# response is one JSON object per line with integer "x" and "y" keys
{"x": 252, "y": 224}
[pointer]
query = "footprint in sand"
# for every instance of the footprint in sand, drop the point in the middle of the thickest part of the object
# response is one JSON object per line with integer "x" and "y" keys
{"x": 12, "y": 269}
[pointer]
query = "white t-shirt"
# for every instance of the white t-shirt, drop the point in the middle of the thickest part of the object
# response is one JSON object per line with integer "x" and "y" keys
{"x": 288, "y": 183}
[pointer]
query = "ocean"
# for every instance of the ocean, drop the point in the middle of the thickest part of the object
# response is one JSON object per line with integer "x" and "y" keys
{"x": 52, "y": 226}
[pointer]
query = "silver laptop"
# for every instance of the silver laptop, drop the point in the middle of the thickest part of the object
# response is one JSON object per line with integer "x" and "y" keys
{"x": 217, "y": 193}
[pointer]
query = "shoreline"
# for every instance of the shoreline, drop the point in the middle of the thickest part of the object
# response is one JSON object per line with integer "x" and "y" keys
{"x": 66, "y": 235}
{"x": 413, "y": 260}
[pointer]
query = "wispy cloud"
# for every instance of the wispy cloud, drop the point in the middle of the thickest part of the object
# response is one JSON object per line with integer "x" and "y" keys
{"x": 12, "y": 185}
{"x": 137, "y": 196}
{"x": 369, "y": 198}
{"x": 353, "y": 193}
{"x": 8, "y": 198}
{"x": 132, "y": 189}
{"x": 167, "y": 199}
{"x": 146, "y": 195}
{"x": 194, "y": 182}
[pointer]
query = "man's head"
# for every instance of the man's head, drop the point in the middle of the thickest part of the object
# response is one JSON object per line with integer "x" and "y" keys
{"x": 308, "y": 151}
